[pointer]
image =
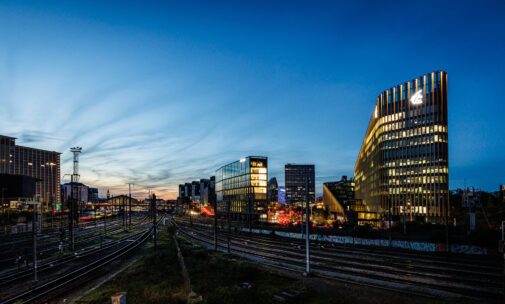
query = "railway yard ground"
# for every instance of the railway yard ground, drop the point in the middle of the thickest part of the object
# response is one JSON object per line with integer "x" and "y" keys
{"x": 258, "y": 269}
{"x": 228, "y": 278}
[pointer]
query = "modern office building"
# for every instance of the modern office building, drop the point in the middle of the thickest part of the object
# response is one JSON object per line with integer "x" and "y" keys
{"x": 195, "y": 192}
{"x": 182, "y": 191}
{"x": 188, "y": 189}
{"x": 295, "y": 183}
{"x": 80, "y": 190}
{"x": 402, "y": 166}
{"x": 272, "y": 192}
{"x": 43, "y": 165}
{"x": 241, "y": 188}
{"x": 212, "y": 190}
{"x": 204, "y": 191}
{"x": 337, "y": 197}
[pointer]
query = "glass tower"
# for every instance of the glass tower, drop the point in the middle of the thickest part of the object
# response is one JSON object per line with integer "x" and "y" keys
{"x": 402, "y": 167}
{"x": 241, "y": 187}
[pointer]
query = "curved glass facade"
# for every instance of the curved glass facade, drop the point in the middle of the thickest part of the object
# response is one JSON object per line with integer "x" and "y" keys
{"x": 403, "y": 164}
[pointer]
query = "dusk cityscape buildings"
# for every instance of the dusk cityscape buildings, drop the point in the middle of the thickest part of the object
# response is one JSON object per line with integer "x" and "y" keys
{"x": 216, "y": 152}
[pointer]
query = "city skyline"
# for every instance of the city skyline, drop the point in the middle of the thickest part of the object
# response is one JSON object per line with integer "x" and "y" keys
{"x": 173, "y": 93}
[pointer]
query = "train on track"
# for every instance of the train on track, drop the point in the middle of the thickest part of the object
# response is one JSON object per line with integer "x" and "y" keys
{"x": 92, "y": 215}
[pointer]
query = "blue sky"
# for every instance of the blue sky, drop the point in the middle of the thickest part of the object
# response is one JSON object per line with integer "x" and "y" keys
{"x": 159, "y": 93}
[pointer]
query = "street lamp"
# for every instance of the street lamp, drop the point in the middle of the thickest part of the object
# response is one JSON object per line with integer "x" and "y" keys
{"x": 34, "y": 234}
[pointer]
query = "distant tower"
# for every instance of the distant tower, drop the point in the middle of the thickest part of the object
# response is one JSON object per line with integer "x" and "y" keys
{"x": 75, "y": 175}
{"x": 108, "y": 194}
{"x": 75, "y": 193}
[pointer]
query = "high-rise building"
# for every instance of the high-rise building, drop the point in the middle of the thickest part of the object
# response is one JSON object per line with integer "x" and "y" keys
{"x": 273, "y": 189}
{"x": 40, "y": 164}
{"x": 188, "y": 189}
{"x": 295, "y": 183}
{"x": 182, "y": 191}
{"x": 402, "y": 166}
{"x": 195, "y": 192}
{"x": 212, "y": 190}
{"x": 241, "y": 187}
{"x": 204, "y": 192}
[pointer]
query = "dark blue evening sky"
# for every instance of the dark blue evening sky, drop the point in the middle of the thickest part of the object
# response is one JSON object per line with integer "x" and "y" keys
{"x": 160, "y": 93}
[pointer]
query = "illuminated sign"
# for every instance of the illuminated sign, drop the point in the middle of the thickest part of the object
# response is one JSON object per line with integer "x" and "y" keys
{"x": 242, "y": 160}
{"x": 417, "y": 98}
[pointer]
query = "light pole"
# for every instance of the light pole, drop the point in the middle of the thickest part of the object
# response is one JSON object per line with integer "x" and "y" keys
{"x": 153, "y": 207}
{"x": 404, "y": 217}
{"x": 307, "y": 220}
{"x": 34, "y": 234}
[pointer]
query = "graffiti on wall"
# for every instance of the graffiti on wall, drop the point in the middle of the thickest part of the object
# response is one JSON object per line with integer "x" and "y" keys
{"x": 411, "y": 245}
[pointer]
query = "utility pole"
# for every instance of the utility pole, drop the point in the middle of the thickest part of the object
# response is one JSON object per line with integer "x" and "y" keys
{"x": 34, "y": 232}
{"x": 404, "y": 218}
{"x": 130, "y": 205}
{"x": 229, "y": 224}
{"x": 390, "y": 239}
{"x": 307, "y": 220}
{"x": 250, "y": 214}
{"x": 74, "y": 179}
{"x": 123, "y": 202}
{"x": 153, "y": 207}
{"x": 447, "y": 223}
{"x": 104, "y": 226}
{"x": 215, "y": 225}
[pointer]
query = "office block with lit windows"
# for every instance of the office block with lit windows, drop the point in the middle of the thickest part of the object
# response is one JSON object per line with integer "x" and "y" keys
{"x": 294, "y": 179}
{"x": 40, "y": 164}
{"x": 241, "y": 188}
{"x": 402, "y": 166}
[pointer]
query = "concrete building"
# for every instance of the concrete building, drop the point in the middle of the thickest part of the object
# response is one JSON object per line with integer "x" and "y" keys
{"x": 43, "y": 165}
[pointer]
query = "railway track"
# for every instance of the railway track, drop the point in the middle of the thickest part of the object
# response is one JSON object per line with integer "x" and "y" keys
{"x": 13, "y": 277}
{"x": 397, "y": 270}
{"x": 9, "y": 252}
{"x": 45, "y": 291}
